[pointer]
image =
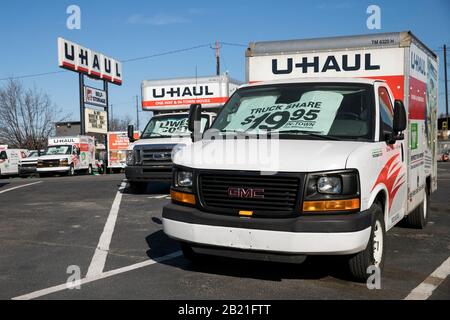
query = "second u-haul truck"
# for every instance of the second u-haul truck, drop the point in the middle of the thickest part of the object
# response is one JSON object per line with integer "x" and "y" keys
{"x": 350, "y": 128}
{"x": 150, "y": 158}
{"x": 67, "y": 155}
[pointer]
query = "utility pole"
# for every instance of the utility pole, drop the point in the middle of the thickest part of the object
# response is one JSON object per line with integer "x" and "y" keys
{"x": 446, "y": 84}
{"x": 137, "y": 113}
{"x": 218, "y": 58}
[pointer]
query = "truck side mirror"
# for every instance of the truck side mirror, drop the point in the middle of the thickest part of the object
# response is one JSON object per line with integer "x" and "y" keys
{"x": 195, "y": 116}
{"x": 399, "y": 121}
{"x": 131, "y": 132}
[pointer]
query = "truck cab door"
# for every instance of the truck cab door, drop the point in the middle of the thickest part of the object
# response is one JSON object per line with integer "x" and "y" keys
{"x": 392, "y": 163}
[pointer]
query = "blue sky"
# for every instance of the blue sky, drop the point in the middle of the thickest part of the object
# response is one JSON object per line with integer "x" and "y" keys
{"x": 130, "y": 29}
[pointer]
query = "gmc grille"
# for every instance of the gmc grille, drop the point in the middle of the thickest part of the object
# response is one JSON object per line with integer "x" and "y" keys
{"x": 265, "y": 195}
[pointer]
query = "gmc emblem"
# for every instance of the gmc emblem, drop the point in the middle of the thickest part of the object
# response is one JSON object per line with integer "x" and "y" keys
{"x": 248, "y": 193}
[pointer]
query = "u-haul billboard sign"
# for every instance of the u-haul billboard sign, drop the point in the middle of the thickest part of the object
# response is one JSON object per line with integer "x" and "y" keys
{"x": 83, "y": 60}
{"x": 181, "y": 93}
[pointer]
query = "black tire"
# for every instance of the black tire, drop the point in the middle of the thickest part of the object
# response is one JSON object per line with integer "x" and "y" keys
{"x": 190, "y": 254}
{"x": 71, "y": 171}
{"x": 360, "y": 262}
{"x": 138, "y": 187}
{"x": 418, "y": 218}
{"x": 90, "y": 171}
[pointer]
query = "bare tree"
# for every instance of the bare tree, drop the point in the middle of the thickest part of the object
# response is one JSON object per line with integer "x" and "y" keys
{"x": 120, "y": 124}
{"x": 27, "y": 116}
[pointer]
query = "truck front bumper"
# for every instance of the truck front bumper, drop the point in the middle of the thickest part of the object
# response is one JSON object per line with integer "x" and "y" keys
{"x": 27, "y": 170}
{"x": 304, "y": 235}
{"x": 148, "y": 173}
{"x": 52, "y": 169}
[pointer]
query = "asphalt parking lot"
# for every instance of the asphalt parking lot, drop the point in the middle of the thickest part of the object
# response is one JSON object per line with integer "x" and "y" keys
{"x": 51, "y": 227}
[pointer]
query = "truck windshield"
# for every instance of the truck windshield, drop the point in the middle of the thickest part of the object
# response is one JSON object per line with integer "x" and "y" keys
{"x": 168, "y": 126}
{"x": 334, "y": 111}
{"x": 58, "y": 150}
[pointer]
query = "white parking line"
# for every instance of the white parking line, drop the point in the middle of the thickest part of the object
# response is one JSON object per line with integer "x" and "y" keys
{"x": 424, "y": 290}
{"x": 65, "y": 286}
{"x": 18, "y": 187}
{"x": 160, "y": 196}
{"x": 101, "y": 252}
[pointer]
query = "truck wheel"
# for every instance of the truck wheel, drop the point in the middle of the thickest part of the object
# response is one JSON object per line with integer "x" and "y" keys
{"x": 373, "y": 255}
{"x": 418, "y": 218}
{"x": 138, "y": 187}
{"x": 71, "y": 171}
{"x": 89, "y": 172}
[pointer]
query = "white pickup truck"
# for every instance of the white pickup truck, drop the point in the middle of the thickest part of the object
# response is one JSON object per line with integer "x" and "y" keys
{"x": 330, "y": 146}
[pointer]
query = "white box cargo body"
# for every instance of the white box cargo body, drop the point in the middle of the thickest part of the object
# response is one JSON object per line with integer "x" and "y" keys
{"x": 409, "y": 68}
{"x": 179, "y": 94}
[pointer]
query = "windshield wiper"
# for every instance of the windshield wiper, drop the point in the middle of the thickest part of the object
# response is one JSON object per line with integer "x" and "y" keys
{"x": 310, "y": 134}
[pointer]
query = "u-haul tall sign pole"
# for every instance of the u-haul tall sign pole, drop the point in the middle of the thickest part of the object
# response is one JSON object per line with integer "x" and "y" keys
{"x": 85, "y": 61}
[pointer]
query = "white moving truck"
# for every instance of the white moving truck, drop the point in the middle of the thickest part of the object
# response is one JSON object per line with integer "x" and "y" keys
{"x": 67, "y": 155}
{"x": 150, "y": 158}
{"x": 348, "y": 160}
{"x": 10, "y": 160}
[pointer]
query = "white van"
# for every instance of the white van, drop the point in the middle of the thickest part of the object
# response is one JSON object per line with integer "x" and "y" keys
{"x": 10, "y": 159}
{"x": 67, "y": 155}
{"x": 150, "y": 159}
{"x": 346, "y": 161}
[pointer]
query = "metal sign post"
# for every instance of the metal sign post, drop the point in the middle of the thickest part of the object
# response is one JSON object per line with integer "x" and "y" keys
{"x": 105, "y": 88}
{"x": 82, "y": 124}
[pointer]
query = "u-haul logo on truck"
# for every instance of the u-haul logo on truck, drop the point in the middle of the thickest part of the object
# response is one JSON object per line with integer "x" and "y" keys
{"x": 317, "y": 64}
{"x": 188, "y": 91}
{"x": 62, "y": 140}
{"x": 355, "y": 63}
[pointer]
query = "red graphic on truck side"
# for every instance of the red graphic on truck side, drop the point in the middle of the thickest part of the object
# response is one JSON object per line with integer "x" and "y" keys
{"x": 389, "y": 176}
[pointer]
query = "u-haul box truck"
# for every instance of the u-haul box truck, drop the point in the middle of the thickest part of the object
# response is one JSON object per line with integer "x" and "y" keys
{"x": 150, "y": 158}
{"x": 10, "y": 160}
{"x": 350, "y": 124}
{"x": 68, "y": 155}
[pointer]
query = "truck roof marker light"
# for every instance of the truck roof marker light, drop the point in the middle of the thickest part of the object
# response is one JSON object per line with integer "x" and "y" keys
{"x": 244, "y": 213}
{"x": 331, "y": 205}
{"x": 182, "y": 197}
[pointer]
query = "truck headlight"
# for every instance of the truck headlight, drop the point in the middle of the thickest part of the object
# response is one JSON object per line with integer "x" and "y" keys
{"x": 64, "y": 162}
{"x": 329, "y": 185}
{"x": 130, "y": 158}
{"x": 336, "y": 191}
{"x": 184, "y": 179}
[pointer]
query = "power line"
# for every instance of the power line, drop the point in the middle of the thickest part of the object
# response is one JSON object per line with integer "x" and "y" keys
{"x": 33, "y": 75}
{"x": 234, "y": 44}
{"x": 123, "y": 61}
{"x": 166, "y": 53}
